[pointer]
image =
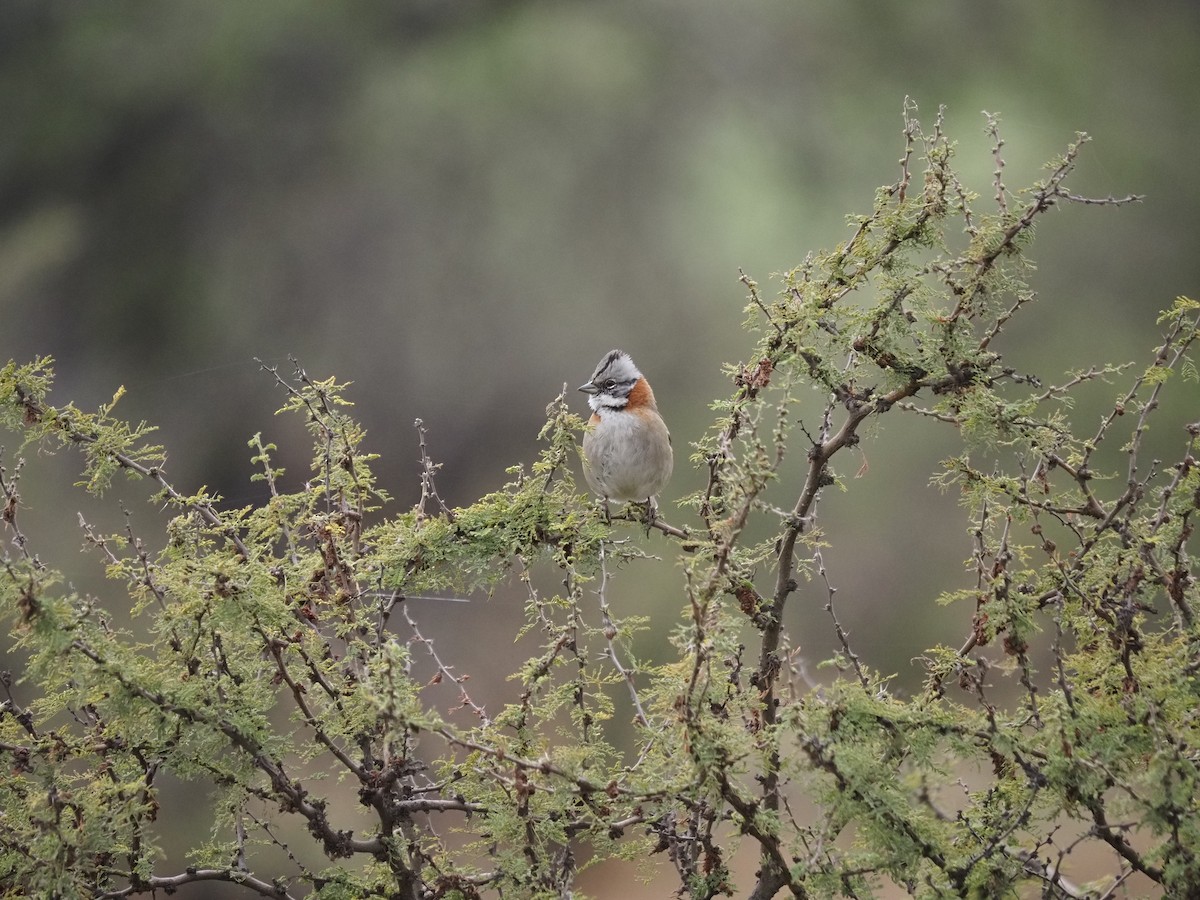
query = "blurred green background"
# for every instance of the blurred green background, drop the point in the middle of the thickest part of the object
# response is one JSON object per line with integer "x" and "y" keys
{"x": 460, "y": 206}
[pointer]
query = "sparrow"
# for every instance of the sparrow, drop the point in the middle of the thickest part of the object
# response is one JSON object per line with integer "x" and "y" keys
{"x": 627, "y": 448}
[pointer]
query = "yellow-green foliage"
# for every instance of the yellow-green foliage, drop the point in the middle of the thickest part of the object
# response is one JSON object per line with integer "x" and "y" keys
{"x": 270, "y": 653}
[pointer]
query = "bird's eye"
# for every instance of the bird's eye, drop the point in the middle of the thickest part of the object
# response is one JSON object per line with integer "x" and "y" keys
{"x": 610, "y": 384}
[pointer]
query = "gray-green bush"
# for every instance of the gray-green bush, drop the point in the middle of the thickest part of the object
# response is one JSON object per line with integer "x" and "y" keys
{"x": 271, "y": 648}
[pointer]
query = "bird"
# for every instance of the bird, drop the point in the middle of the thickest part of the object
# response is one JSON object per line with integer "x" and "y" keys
{"x": 627, "y": 447}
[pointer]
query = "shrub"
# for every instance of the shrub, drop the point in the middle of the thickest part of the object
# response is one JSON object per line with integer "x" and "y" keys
{"x": 271, "y": 651}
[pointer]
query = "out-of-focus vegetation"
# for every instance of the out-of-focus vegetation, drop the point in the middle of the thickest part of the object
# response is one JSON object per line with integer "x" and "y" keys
{"x": 461, "y": 202}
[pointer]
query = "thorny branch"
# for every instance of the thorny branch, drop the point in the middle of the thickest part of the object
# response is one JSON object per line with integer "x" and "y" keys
{"x": 203, "y": 508}
{"x": 611, "y": 633}
{"x": 428, "y": 488}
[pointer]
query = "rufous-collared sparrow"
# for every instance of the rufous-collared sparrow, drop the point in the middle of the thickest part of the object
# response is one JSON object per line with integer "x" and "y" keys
{"x": 627, "y": 448}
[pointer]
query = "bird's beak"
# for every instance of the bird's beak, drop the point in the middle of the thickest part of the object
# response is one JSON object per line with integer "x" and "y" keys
{"x": 589, "y": 388}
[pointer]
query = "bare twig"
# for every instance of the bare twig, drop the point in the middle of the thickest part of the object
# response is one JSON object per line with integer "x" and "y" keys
{"x": 611, "y": 633}
{"x": 428, "y": 488}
